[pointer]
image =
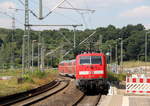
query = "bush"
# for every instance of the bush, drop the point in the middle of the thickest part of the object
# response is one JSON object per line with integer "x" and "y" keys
{"x": 116, "y": 77}
{"x": 27, "y": 78}
{"x": 39, "y": 74}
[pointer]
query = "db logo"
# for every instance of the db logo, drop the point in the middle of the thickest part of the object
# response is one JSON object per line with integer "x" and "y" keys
{"x": 91, "y": 72}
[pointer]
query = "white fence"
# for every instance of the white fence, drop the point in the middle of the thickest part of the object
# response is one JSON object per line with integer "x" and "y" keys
{"x": 138, "y": 85}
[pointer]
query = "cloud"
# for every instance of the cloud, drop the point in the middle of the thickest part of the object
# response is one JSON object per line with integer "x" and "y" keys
{"x": 147, "y": 26}
{"x": 4, "y": 6}
{"x": 139, "y": 12}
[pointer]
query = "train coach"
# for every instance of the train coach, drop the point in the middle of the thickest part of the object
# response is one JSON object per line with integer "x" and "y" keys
{"x": 89, "y": 70}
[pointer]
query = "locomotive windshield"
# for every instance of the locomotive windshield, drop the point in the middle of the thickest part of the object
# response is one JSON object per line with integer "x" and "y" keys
{"x": 90, "y": 60}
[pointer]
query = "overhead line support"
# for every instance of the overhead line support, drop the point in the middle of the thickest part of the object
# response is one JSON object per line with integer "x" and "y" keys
{"x": 33, "y": 25}
{"x": 26, "y": 62}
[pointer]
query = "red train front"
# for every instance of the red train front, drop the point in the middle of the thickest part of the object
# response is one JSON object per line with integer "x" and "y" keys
{"x": 91, "y": 71}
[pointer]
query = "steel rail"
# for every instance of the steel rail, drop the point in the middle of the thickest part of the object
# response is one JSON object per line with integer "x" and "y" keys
{"x": 44, "y": 97}
{"x": 79, "y": 100}
{"x": 95, "y": 102}
{"x": 12, "y": 99}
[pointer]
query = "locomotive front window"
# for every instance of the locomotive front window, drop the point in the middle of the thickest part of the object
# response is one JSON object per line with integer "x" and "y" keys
{"x": 90, "y": 60}
{"x": 96, "y": 60}
{"x": 85, "y": 60}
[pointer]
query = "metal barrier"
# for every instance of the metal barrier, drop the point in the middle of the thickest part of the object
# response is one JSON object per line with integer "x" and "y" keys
{"x": 138, "y": 85}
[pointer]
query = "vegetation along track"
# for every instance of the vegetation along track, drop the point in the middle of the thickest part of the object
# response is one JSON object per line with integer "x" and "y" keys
{"x": 34, "y": 95}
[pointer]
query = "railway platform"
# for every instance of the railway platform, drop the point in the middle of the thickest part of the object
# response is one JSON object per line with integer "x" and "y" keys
{"x": 119, "y": 100}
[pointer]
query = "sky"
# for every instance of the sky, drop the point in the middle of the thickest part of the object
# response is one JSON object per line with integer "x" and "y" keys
{"x": 115, "y": 12}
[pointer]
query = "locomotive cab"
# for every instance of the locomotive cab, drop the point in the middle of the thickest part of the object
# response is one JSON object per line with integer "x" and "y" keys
{"x": 91, "y": 71}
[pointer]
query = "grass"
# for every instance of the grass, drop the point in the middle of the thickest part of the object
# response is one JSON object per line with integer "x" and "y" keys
{"x": 130, "y": 64}
{"x": 116, "y": 77}
{"x": 8, "y": 87}
{"x": 16, "y": 73}
{"x": 31, "y": 80}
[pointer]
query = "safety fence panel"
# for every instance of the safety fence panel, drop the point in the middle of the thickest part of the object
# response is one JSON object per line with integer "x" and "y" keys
{"x": 138, "y": 85}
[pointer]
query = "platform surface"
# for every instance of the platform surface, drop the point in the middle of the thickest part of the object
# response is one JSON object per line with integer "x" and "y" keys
{"x": 118, "y": 100}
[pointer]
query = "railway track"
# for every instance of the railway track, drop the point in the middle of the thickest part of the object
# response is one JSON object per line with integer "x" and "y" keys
{"x": 60, "y": 92}
{"x": 35, "y": 95}
{"x": 65, "y": 97}
{"x": 88, "y": 100}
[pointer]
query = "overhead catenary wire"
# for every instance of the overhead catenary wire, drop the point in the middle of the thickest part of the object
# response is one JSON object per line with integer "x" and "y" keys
{"x": 21, "y": 2}
{"x": 31, "y": 11}
{"x": 58, "y": 5}
{"x": 65, "y": 38}
{"x": 6, "y": 14}
{"x": 89, "y": 17}
{"x": 54, "y": 50}
{"x": 61, "y": 14}
{"x": 79, "y": 44}
{"x": 54, "y": 9}
{"x": 78, "y": 11}
{"x": 82, "y": 13}
{"x": 83, "y": 18}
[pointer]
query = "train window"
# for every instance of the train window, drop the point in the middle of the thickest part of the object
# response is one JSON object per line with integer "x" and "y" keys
{"x": 96, "y": 60}
{"x": 85, "y": 60}
{"x": 90, "y": 60}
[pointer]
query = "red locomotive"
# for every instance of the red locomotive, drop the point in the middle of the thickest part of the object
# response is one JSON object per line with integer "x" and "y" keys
{"x": 89, "y": 70}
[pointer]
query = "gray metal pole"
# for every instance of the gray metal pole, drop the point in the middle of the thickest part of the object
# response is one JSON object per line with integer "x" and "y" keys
{"x": 38, "y": 56}
{"x": 121, "y": 55}
{"x": 40, "y": 10}
{"x": 42, "y": 54}
{"x": 146, "y": 50}
{"x": 116, "y": 54}
{"x": 13, "y": 34}
{"x": 27, "y": 31}
{"x": 74, "y": 36}
{"x": 116, "y": 58}
{"x": 146, "y": 47}
{"x": 39, "y": 43}
{"x": 110, "y": 54}
{"x": 32, "y": 54}
{"x": 23, "y": 53}
{"x": 41, "y": 65}
{"x": 29, "y": 57}
{"x": 100, "y": 39}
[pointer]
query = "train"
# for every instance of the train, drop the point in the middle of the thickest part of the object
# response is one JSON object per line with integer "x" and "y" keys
{"x": 88, "y": 69}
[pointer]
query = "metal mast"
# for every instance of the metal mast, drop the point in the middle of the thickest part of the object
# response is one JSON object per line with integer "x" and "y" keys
{"x": 121, "y": 55}
{"x": 116, "y": 54}
{"x": 74, "y": 26}
{"x": 12, "y": 40}
{"x": 27, "y": 28}
{"x": 146, "y": 46}
{"x": 100, "y": 42}
{"x": 40, "y": 10}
